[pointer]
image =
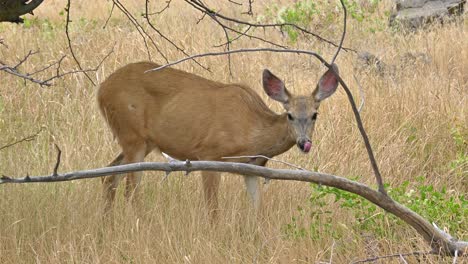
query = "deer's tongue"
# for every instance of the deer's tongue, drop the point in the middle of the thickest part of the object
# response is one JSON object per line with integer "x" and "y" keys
{"x": 307, "y": 146}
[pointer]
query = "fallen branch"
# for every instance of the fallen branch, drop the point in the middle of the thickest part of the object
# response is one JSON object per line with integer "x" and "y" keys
{"x": 440, "y": 242}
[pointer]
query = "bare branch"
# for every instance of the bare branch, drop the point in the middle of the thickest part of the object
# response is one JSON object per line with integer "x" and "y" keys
{"x": 25, "y": 139}
{"x": 59, "y": 75}
{"x": 437, "y": 239}
{"x": 204, "y": 9}
{"x": 47, "y": 82}
{"x": 25, "y": 59}
{"x": 57, "y": 164}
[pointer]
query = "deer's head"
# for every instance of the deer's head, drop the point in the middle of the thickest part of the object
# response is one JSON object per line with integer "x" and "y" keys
{"x": 301, "y": 111}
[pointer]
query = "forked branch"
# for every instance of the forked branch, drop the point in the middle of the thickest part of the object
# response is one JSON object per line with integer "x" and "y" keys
{"x": 440, "y": 242}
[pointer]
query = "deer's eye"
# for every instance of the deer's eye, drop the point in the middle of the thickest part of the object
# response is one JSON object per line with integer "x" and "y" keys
{"x": 290, "y": 117}
{"x": 314, "y": 116}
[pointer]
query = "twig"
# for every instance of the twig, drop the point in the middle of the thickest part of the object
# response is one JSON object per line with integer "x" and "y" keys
{"x": 25, "y": 139}
{"x": 67, "y": 9}
{"x": 25, "y": 59}
{"x": 268, "y": 158}
{"x": 110, "y": 15}
{"x": 47, "y": 82}
{"x": 57, "y": 164}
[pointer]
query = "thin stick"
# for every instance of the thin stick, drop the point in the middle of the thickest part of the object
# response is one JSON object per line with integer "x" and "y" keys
{"x": 70, "y": 45}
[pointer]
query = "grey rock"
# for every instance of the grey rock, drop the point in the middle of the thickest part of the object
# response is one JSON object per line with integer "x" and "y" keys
{"x": 413, "y": 14}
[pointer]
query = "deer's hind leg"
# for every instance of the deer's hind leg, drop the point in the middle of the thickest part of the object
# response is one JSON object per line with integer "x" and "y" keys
{"x": 211, "y": 181}
{"x": 135, "y": 152}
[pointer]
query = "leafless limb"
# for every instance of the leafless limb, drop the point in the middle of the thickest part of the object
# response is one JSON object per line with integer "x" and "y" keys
{"x": 215, "y": 17}
{"x": 25, "y": 59}
{"x": 67, "y": 9}
{"x": 25, "y": 139}
{"x": 398, "y": 255}
{"x": 198, "y": 5}
{"x": 57, "y": 163}
{"x": 58, "y": 74}
{"x": 441, "y": 242}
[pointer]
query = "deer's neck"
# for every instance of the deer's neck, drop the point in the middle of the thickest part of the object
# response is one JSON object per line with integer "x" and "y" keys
{"x": 275, "y": 137}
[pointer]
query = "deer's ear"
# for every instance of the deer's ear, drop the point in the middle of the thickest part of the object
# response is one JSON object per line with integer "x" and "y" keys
{"x": 327, "y": 85}
{"x": 274, "y": 87}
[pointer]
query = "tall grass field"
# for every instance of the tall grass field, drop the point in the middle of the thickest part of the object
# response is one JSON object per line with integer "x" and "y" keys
{"x": 415, "y": 113}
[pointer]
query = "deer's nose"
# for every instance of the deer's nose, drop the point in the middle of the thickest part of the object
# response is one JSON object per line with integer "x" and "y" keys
{"x": 304, "y": 144}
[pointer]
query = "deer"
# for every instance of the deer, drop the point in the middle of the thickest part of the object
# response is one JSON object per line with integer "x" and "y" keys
{"x": 189, "y": 117}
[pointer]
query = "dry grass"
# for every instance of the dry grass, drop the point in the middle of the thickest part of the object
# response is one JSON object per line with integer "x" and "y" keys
{"x": 62, "y": 223}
